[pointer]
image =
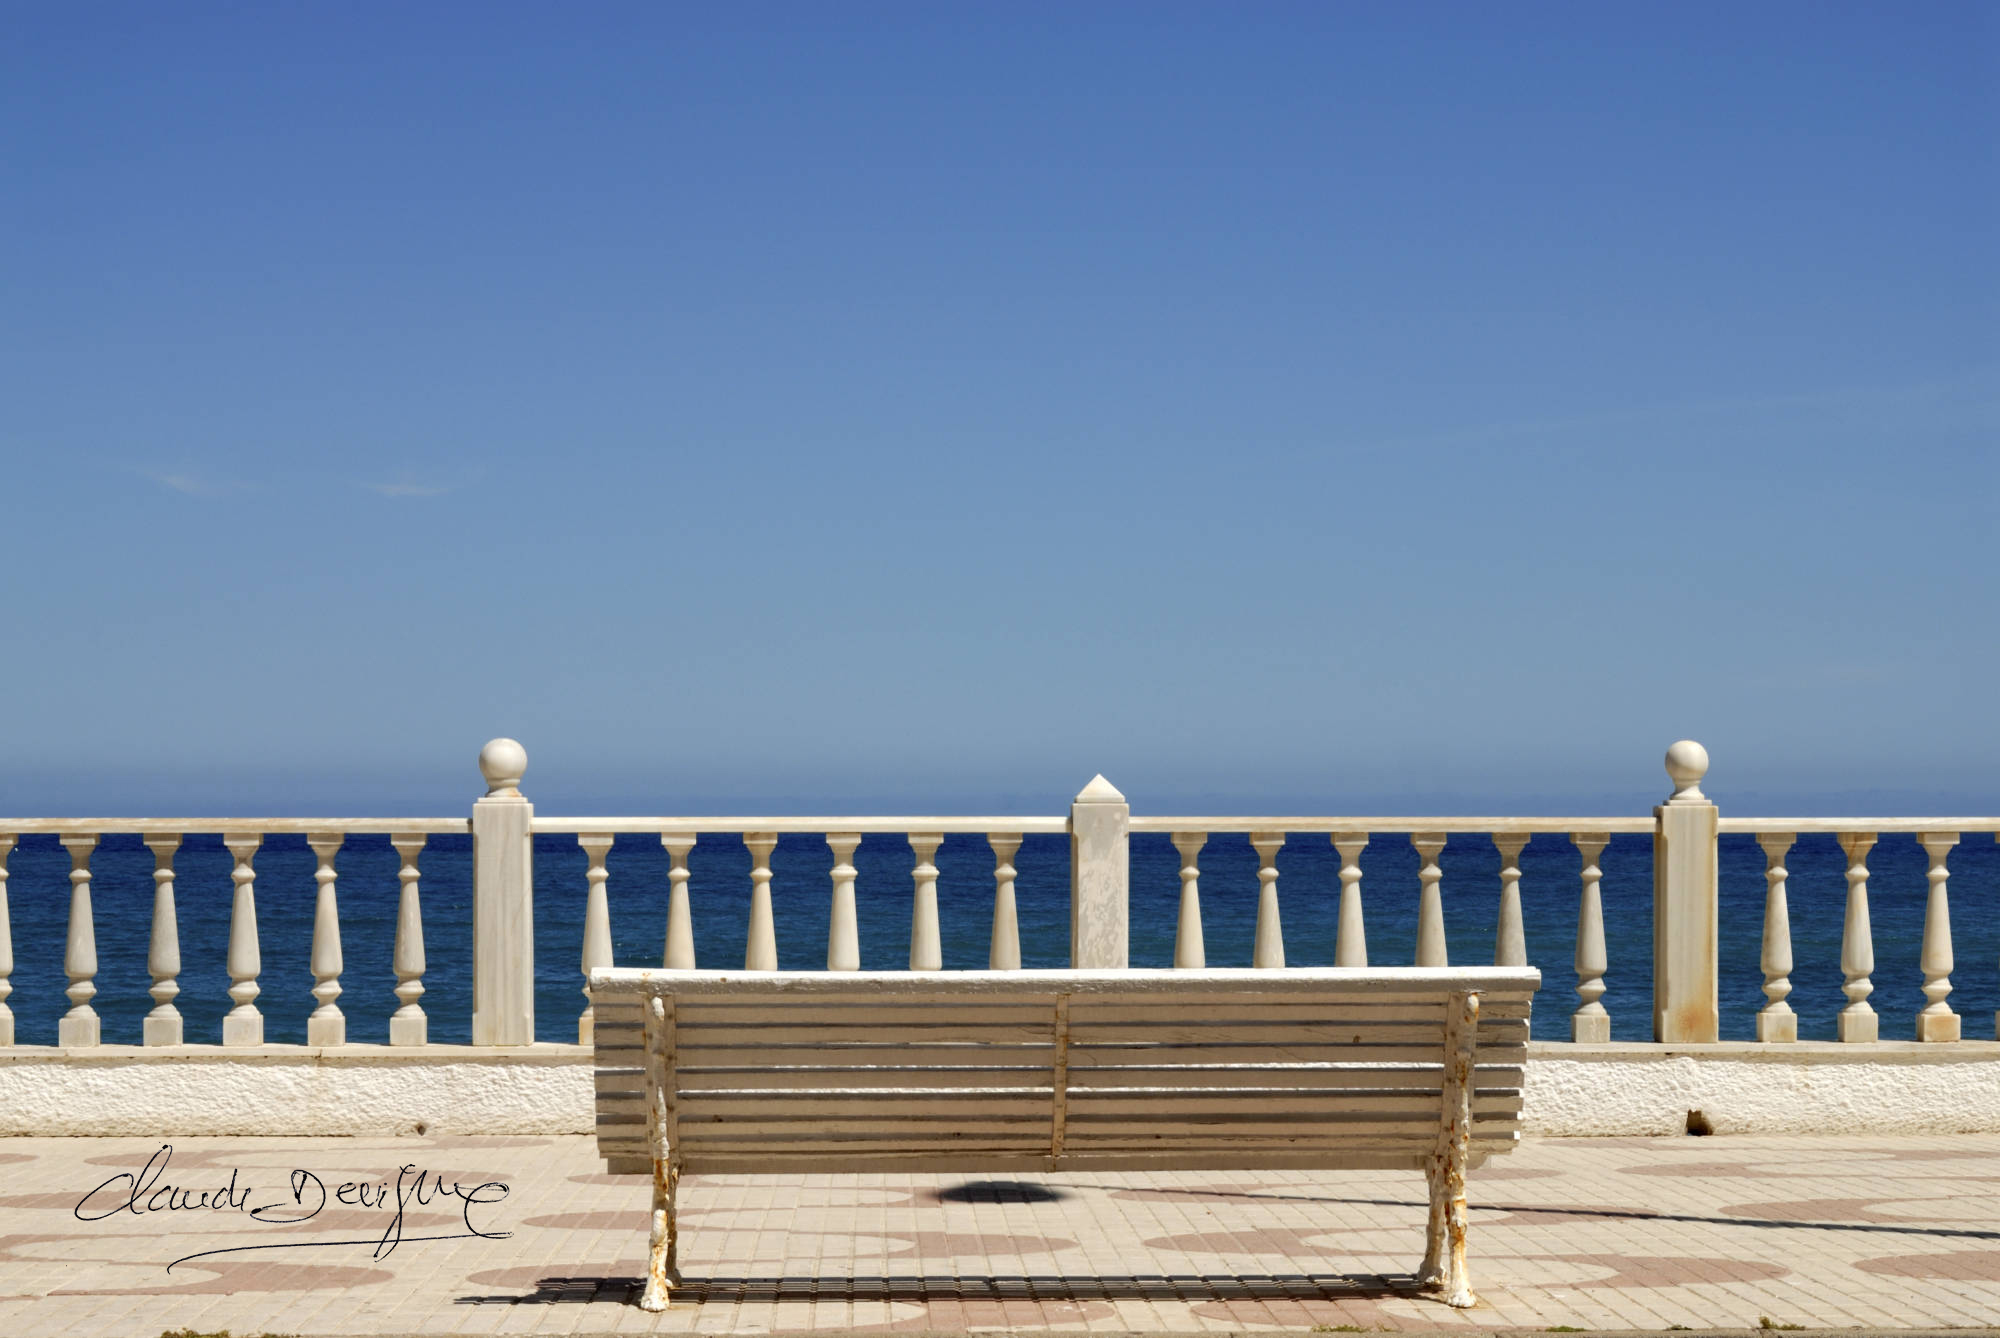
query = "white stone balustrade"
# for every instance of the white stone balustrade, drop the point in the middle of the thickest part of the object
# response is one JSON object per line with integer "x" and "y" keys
{"x": 163, "y": 954}
{"x": 1510, "y": 936}
{"x": 1431, "y": 949}
{"x": 1936, "y": 1021}
{"x": 1350, "y": 945}
{"x": 1004, "y": 948}
{"x": 678, "y": 955}
{"x": 408, "y": 1025}
{"x": 760, "y": 950}
{"x": 843, "y": 930}
{"x": 1190, "y": 951}
{"x": 327, "y": 1025}
{"x": 243, "y": 1024}
{"x": 1857, "y": 1022}
{"x": 1776, "y": 1022}
{"x": 1685, "y": 830}
{"x": 1268, "y": 948}
{"x": 596, "y": 925}
{"x": 926, "y": 941}
{"x": 80, "y": 1025}
{"x": 1590, "y": 1024}
{"x": 7, "y": 841}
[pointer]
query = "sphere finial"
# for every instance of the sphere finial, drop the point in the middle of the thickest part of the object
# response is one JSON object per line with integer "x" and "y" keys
{"x": 1687, "y": 763}
{"x": 502, "y": 762}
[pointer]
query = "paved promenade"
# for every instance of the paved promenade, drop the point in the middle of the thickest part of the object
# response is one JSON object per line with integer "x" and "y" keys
{"x": 1643, "y": 1234}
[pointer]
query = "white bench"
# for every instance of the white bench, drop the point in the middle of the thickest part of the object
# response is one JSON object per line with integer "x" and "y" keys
{"x": 743, "y": 1072}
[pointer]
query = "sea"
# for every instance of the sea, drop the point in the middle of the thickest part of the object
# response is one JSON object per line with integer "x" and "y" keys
{"x": 1308, "y": 889}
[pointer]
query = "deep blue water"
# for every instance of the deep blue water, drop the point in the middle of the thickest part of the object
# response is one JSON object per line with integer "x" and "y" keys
{"x": 122, "y": 888}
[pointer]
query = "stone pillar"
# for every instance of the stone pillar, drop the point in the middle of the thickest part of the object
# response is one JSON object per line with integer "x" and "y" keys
{"x": 1685, "y": 1008}
{"x": 503, "y": 903}
{"x": 1100, "y": 826}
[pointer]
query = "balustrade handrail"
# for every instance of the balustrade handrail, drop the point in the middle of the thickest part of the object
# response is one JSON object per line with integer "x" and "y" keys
{"x": 1835, "y": 826}
{"x": 1364, "y": 825}
{"x": 813, "y": 826}
{"x": 233, "y": 826}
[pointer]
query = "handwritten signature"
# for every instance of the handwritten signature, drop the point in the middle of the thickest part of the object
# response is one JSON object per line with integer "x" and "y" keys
{"x": 143, "y": 1193}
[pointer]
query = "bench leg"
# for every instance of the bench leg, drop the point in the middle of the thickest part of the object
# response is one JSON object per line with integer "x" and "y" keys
{"x": 1445, "y": 1232}
{"x": 1450, "y": 1204}
{"x": 1430, "y": 1273}
{"x": 663, "y": 1272}
{"x": 1444, "y": 1238}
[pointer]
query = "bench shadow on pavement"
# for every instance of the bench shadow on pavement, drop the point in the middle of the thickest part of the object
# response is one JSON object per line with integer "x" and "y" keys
{"x": 1194, "y": 1287}
{"x": 1191, "y": 1287}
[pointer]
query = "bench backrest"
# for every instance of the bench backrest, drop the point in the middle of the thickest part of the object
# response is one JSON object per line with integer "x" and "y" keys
{"x": 1013, "y": 1070}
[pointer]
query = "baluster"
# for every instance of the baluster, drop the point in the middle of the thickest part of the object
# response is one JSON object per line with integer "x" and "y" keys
{"x": 1004, "y": 954}
{"x": 1189, "y": 950}
{"x": 1269, "y": 947}
{"x": 1430, "y": 901}
{"x": 326, "y": 1025}
{"x": 1857, "y": 1023}
{"x": 1510, "y": 940}
{"x": 6, "y": 946}
{"x": 243, "y": 1024}
{"x": 80, "y": 1025}
{"x": 1776, "y": 1022}
{"x": 408, "y": 1025}
{"x": 760, "y": 948}
{"x": 1350, "y": 944}
{"x": 1936, "y": 1021}
{"x": 596, "y": 929}
{"x": 1590, "y": 1023}
{"x": 843, "y": 931}
{"x": 163, "y": 952}
{"x": 926, "y": 948}
{"x": 678, "y": 954}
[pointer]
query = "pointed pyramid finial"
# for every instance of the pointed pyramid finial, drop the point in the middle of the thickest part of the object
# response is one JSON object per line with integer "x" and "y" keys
{"x": 1099, "y": 791}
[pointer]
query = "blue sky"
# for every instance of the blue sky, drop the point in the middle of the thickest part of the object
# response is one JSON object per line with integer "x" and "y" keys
{"x": 925, "y": 407}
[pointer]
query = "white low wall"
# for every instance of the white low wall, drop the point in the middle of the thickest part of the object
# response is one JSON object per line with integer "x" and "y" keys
{"x": 1573, "y": 1090}
{"x": 1811, "y": 1087}
{"x": 349, "y": 1089}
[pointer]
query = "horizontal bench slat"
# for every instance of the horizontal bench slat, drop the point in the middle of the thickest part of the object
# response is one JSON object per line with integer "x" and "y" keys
{"x": 948, "y": 1132}
{"x": 802, "y": 1137}
{"x": 886, "y": 1104}
{"x": 1119, "y": 1056}
{"x": 1154, "y": 1112}
{"x": 923, "y": 1028}
{"x": 869, "y": 1010}
{"x": 1354, "y": 1156}
{"x": 1298, "y": 1076}
{"x": 1225, "y": 1124}
{"x": 892, "y": 1101}
{"x": 1383, "y": 1134}
{"x": 1428, "y": 1078}
{"x": 865, "y": 1012}
{"x": 848, "y": 1077}
{"x": 911, "y": 1031}
{"x": 946, "y": 1055}
{"x": 1110, "y": 1009}
{"x": 1336, "y": 1031}
{"x": 969, "y": 1162}
{"x": 1200, "y": 1106}
{"x": 1106, "y": 1057}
